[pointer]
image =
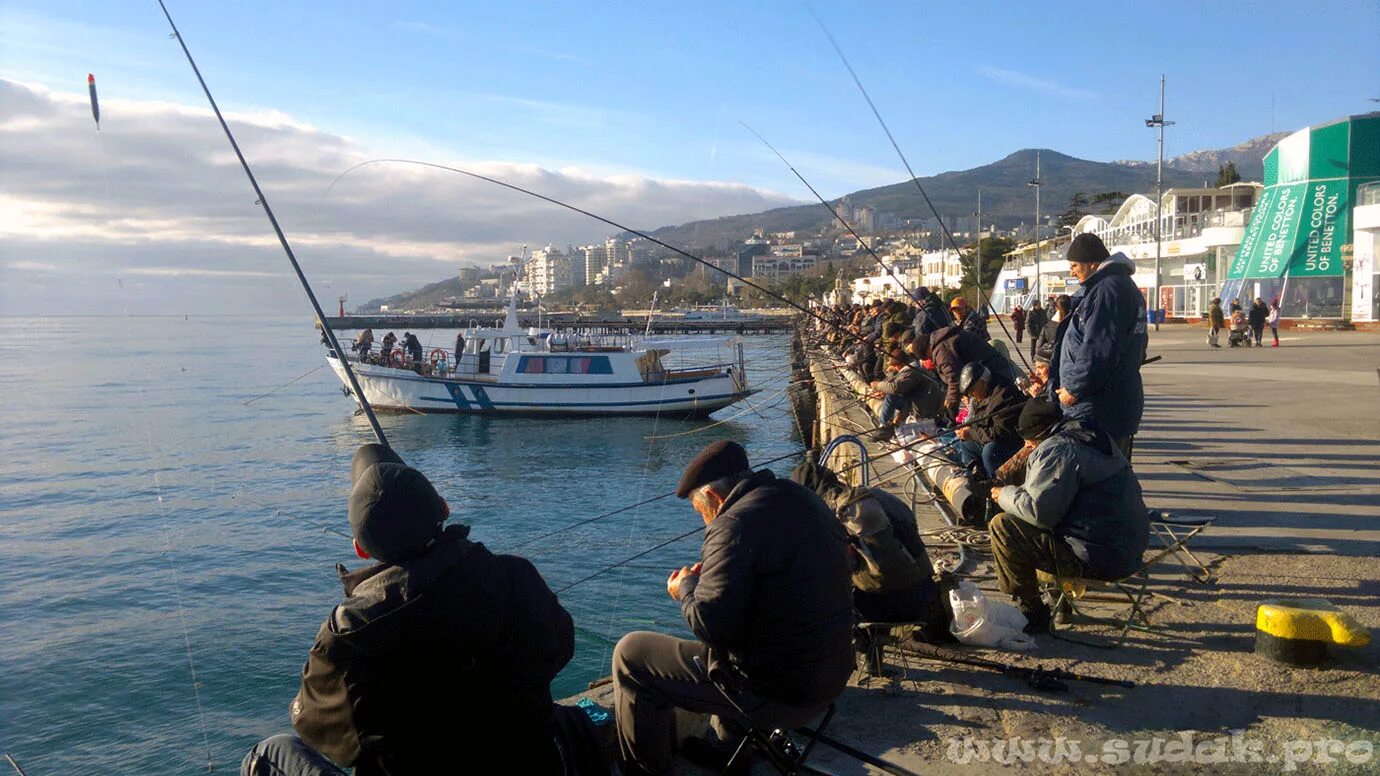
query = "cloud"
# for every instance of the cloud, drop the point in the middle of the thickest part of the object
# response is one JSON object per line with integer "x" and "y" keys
{"x": 157, "y": 202}
{"x": 1024, "y": 80}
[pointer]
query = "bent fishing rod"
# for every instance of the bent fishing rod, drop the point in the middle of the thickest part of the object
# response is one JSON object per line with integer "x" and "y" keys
{"x": 975, "y": 266}
{"x": 282, "y": 238}
{"x": 885, "y": 267}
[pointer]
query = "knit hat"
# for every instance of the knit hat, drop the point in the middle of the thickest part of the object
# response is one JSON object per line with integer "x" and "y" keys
{"x": 1038, "y": 417}
{"x": 395, "y": 513}
{"x": 370, "y": 455}
{"x": 1087, "y": 248}
{"x": 716, "y": 461}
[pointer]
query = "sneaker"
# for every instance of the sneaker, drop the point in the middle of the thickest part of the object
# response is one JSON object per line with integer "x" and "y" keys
{"x": 885, "y": 434}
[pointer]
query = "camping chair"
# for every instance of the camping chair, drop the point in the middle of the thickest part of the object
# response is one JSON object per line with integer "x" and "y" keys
{"x": 1174, "y": 533}
{"x": 775, "y": 745}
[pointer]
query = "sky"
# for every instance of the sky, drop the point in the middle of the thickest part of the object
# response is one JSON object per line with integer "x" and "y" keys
{"x": 632, "y": 110}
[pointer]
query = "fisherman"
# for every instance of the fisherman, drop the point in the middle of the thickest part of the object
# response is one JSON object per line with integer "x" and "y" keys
{"x": 951, "y": 349}
{"x": 967, "y": 318}
{"x": 364, "y": 341}
{"x": 440, "y": 651}
{"x": 389, "y": 340}
{"x": 770, "y": 601}
{"x": 459, "y": 346}
{"x": 1096, "y": 362}
{"x": 1079, "y": 512}
{"x": 931, "y": 317}
{"x": 413, "y": 346}
{"x": 991, "y": 435}
{"x": 1059, "y": 307}
{"x": 908, "y": 383}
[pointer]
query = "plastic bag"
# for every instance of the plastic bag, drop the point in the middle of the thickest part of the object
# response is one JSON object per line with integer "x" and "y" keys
{"x": 981, "y": 622}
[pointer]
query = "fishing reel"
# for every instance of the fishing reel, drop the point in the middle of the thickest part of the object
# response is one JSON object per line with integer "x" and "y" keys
{"x": 1040, "y": 679}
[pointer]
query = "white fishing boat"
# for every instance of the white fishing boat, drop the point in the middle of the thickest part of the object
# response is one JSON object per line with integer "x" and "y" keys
{"x": 507, "y": 369}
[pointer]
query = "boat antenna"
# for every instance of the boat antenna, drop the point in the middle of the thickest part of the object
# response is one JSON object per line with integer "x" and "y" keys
{"x": 282, "y": 238}
{"x": 977, "y": 268}
{"x": 837, "y": 216}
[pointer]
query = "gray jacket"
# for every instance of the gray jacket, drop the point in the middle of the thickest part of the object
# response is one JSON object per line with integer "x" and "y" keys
{"x": 1079, "y": 487}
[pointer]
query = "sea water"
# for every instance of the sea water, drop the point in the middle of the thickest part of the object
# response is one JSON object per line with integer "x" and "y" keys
{"x": 167, "y": 539}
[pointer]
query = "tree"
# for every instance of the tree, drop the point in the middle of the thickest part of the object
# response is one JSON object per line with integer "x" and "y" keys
{"x": 1227, "y": 175}
{"x": 1077, "y": 209}
{"x": 993, "y": 251}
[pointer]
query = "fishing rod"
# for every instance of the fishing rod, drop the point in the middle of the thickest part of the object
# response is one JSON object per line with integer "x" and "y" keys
{"x": 282, "y": 238}
{"x": 835, "y": 214}
{"x": 1039, "y": 677}
{"x": 977, "y": 270}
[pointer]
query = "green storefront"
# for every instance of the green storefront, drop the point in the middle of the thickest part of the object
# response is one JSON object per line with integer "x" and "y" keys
{"x": 1295, "y": 245}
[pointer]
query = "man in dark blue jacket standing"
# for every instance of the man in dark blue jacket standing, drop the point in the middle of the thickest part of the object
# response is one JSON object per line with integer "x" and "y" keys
{"x": 1095, "y": 370}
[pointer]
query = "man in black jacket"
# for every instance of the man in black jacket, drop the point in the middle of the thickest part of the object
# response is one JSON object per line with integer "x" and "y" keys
{"x": 439, "y": 652}
{"x": 770, "y": 600}
{"x": 1035, "y": 321}
{"x": 995, "y": 406}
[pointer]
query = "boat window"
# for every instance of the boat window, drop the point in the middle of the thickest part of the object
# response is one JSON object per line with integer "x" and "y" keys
{"x": 500, "y": 345}
{"x": 560, "y": 365}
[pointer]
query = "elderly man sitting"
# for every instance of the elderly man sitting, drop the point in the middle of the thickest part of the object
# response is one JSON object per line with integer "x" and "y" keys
{"x": 1078, "y": 514}
{"x": 770, "y": 599}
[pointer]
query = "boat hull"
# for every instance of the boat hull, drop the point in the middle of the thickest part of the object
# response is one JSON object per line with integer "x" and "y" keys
{"x": 401, "y": 390}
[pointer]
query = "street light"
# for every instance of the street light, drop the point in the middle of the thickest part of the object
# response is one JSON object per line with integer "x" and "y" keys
{"x": 1037, "y": 183}
{"x": 1158, "y": 121}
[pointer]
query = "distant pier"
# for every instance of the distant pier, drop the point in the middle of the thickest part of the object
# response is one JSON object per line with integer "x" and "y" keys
{"x": 629, "y": 324}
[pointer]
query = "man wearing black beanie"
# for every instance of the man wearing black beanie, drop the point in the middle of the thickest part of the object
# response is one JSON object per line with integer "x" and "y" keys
{"x": 1079, "y": 512}
{"x": 1098, "y": 349}
{"x": 439, "y": 652}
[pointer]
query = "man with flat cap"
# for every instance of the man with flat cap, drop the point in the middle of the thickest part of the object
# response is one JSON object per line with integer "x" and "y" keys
{"x": 1079, "y": 512}
{"x": 440, "y": 652}
{"x": 770, "y": 603}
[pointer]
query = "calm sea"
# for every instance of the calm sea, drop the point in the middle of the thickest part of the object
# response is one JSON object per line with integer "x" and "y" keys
{"x": 153, "y": 525}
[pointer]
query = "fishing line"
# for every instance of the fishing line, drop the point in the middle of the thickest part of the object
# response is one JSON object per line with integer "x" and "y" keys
{"x": 835, "y": 214}
{"x": 596, "y": 217}
{"x": 720, "y": 422}
{"x": 977, "y": 271}
{"x": 318, "y": 368}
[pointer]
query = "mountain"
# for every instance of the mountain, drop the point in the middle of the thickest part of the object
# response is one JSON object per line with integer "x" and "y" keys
{"x": 1248, "y": 157}
{"x": 1007, "y": 200}
{"x": 425, "y": 298}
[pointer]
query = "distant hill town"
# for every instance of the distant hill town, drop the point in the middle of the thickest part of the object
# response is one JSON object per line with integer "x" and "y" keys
{"x": 895, "y": 211}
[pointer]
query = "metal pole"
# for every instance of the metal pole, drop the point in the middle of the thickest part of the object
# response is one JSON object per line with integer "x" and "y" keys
{"x": 978, "y": 245}
{"x": 1159, "y": 205}
{"x": 1037, "y": 183}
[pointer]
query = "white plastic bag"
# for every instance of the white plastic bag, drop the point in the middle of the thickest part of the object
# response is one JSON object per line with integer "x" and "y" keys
{"x": 981, "y": 622}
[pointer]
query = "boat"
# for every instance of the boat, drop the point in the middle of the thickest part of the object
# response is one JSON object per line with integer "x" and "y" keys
{"x": 722, "y": 312}
{"x": 508, "y": 370}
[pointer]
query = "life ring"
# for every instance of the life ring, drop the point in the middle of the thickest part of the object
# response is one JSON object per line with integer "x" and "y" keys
{"x": 438, "y": 355}
{"x": 397, "y": 359}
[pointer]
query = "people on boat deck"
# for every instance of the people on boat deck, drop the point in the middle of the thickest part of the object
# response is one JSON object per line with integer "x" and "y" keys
{"x": 1079, "y": 512}
{"x": 389, "y": 340}
{"x": 459, "y": 346}
{"x": 770, "y": 605}
{"x": 364, "y": 341}
{"x": 413, "y": 347}
{"x": 439, "y": 658}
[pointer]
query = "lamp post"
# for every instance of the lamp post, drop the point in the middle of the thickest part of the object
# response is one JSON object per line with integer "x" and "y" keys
{"x": 1037, "y": 183}
{"x": 1159, "y": 122}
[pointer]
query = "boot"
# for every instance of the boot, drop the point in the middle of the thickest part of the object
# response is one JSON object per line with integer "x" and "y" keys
{"x": 1037, "y": 615}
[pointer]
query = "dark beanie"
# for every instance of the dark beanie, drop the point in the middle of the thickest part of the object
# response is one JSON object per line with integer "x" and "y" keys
{"x": 369, "y": 455}
{"x": 395, "y": 512}
{"x": 716, "y": 461}
{"x": 1038, "y": 418}
{"x": 1087, "y": 248}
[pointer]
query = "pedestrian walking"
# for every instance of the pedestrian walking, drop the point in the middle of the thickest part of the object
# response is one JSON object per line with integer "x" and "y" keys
{"x": 1018, "y": 322}
{"x": 1035, "y": 324}
{"x": 1273, "y": 320}
{"x": 1216, "y": 320}
{"x": 1259, "y": 312}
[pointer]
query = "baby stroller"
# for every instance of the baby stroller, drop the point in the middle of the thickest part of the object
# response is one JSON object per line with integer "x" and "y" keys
{"x": 1240, "y": 334}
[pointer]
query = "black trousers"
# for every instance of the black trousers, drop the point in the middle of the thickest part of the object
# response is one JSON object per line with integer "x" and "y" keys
{"x": 1019, "y": 549}
{"x": 655, "y": 674}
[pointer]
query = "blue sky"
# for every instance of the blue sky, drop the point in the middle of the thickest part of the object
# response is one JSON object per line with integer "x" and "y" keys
{"x": 632, "y": 109}
{"x": 659, "y": 88}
